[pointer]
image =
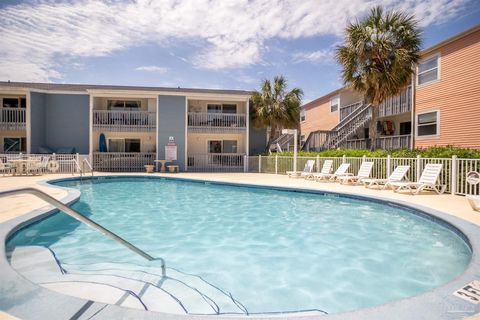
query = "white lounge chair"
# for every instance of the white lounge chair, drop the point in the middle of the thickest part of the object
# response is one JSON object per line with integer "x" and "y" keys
{"x": 326, "y": 169}
{"x": 428, "y": 180}
{"x": 474, "y": 202}
{"x": 396, "y": 176}
{"x": 306, "y": 170}
{"x": 6, "y": 168}
{"x": 363, "y": 173}
{"x": 341, "y": 171}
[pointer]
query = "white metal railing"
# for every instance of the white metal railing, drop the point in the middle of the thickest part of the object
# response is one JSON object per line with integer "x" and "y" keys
{"x": 397, "y": 104}
{"x": 45, "y": 163}
{"x": 348, "y": 109}
{"x": 207, "y": 122}
{"x": 124, "y": 120}
{"x": 227, "y": 162}
{"x": 394, "y": 142}
{"x": 12, "y": 118}
{"x": 453, "y": 174}
{"x": 122, "y": 161}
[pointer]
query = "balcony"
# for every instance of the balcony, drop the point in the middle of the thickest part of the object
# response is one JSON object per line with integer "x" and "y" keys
{"x": 383, "y": 142}
{"x": 12, "y": 119}
{"x": 216, "y": 162}
{"x": 131, "y": 121}
{"x": 216, "y": 122}
{"x": 398, "y": 104}
{"x": 122, "y": 161}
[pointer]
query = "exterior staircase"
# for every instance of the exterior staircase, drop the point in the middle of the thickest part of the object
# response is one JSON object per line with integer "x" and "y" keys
{"x": 331, "y": 139}
{"x": 283, "y": 143}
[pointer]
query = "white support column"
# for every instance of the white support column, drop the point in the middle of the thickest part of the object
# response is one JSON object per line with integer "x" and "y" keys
{"x": 453, "y": 176}
{"x": 389, "y": 166}
{"x": 186, "y": 133}
{"x": 157, "y": 117}
{"x": 419, "y": 167}
{"x": 247, "y": 123}
{"x": 90, "y": 130}
{"x": 28, "y": 121}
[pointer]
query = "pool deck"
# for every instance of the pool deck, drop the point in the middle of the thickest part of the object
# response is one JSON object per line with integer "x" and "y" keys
{"x": 457, "y": 206}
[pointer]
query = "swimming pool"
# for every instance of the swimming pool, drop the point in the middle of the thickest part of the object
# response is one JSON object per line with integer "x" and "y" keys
{"x": 272, "y": 250}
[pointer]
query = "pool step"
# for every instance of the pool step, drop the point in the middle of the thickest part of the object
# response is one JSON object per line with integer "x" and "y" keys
{"x": 128, "y": 285}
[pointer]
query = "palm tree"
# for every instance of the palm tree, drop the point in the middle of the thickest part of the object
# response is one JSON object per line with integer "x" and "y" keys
{"x": 276, "y": 108}
{"x": 378, "y": 57}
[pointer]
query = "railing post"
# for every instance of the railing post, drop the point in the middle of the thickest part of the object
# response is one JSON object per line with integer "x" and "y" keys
{"x": 245, "y": 163}
{"x": 453, "y": 176}
{"x": 259, "y": 163}
{"x": 389, "y": 166}
{"x": 77, "y": 156}
{"x": 344, "y": 159}
{"x": 419, "y": 167}
{"x": 318, "y": 163}
{"x": 276, "y": 163}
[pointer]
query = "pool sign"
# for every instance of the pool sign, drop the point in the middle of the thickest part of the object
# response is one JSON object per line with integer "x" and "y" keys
{"x": 470, "y": 292}
{"x": 171, "y": 149}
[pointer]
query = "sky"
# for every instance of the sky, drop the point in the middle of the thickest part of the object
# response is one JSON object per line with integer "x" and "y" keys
{"x": 220, "y": 44}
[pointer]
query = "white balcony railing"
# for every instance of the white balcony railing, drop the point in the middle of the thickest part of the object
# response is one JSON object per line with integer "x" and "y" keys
{"x": 398, "y": 104}
{"x": 226, "y": 162}
{"x": 394, "y": 142}
{"x": 122, "y": 161}
{"x": 12, "y": 119}
{"x": 124, "y": 120}
{"x": 210, "y": 122}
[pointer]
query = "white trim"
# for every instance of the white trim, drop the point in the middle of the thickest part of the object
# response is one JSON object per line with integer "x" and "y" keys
{"x": 90, "y": 128}
{"x": 439, "y": 60}
{"x": 28, "y": 121}
{"x": 432, "y": 136}
{"x": 157, "y": 115}
{"x": 247, "y": 123}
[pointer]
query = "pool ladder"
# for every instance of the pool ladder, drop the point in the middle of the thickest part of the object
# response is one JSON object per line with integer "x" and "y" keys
{"x": 78, "y": 216}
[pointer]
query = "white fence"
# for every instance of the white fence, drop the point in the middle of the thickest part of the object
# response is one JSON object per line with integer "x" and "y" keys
{"x": 122, "y": 161}
{"x": 124, "y": 120}
{"x": 216, "y": 162}
{"x": 62, "y": 163}
{"x": 216, "y": 122}
{"x": 453, "y": 174}
{"x": 12, "y": 118}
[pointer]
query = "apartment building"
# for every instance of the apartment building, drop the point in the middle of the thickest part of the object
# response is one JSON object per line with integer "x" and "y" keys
{"x": 441, "y": 107}
{"x": 122, "y": 128}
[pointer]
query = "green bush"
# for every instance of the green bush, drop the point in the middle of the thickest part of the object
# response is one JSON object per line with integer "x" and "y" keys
{"x": 432, "y": 152}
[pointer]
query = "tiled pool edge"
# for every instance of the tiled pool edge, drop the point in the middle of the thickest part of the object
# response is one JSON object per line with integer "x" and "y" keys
{"x": 24, "y": 299}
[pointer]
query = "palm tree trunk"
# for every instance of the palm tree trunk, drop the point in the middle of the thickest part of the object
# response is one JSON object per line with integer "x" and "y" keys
{"x": 271, "y": 137}
{"x": 373, "y": 128}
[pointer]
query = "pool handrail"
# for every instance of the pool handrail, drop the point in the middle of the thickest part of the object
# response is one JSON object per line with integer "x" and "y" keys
{"x": 78, "y": 216}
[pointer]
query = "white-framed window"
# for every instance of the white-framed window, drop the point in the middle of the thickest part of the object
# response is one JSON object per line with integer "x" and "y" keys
{"x": 302, "y": 115}
{"x": 124, "y": 145}
{"x": 302, "y": 139}
{"x": 222, "y": 146}
{"x": 222, "y": 108}
{"x": 14, "y": 144}
{"x": 334, "y": 103}
{"x": 428, "y": 124}
{"x": 14, "y": 102}
{"x": 124, "y": 104}
{"x": 428, "y": 70}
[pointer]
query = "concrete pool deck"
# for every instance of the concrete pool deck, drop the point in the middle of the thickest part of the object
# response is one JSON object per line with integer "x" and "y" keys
{"x": 455, "y": 206}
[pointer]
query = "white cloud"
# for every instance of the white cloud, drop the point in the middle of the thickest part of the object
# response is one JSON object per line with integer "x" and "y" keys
{"x": 323, "y": 55}
{"x": 224, "y": 34}
{"x": 154, "y": 69}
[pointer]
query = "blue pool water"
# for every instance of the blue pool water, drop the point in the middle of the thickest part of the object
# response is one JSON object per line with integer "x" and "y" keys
{"x": 273, "y": 250}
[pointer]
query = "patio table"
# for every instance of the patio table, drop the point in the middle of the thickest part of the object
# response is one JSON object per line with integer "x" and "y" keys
{"x": 162, "y": 162}
{"x": 22, "y": 165}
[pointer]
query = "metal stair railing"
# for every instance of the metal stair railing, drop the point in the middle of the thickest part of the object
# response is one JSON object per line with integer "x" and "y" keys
{"x": 78, "y": 216}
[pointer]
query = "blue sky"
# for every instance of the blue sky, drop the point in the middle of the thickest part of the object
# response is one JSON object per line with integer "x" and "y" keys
{"x": 197, "y": 43}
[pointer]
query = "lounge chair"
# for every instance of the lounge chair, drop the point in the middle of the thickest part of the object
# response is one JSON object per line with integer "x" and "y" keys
{"x": 306, "y": 170}
{"x": 396, "y": 176}
{"x": 363, "y": 173}
{"x": 428, "y": 180}
{"x": 341, "y": 171}
{"x": 474, "y": 202}
{"x": 326, "y": 169}
{"x": 6, "y": 168}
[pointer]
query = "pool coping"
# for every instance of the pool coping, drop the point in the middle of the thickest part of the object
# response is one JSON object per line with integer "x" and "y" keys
{"x": 24, "y": 299}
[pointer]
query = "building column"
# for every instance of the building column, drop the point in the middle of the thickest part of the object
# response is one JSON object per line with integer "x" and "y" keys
{"x": 28, "y": 121}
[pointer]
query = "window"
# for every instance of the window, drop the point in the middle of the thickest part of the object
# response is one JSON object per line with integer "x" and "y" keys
{"x": 14, "y": 103}
{"x": 334, "y": 103}
{"x": 124, "y": 145}
{"x": 302, "y": 139}
{"x": 14, "y": 144}
{"x": 427, "y": 124}
{"x": 405, "y": 128}
{"x": 123, "y": 104}
{"x": 428, "y": 70}
{"x": 222, "y": 108}
{"x": 302, "y": 115}
{"x": 225, "y": 146}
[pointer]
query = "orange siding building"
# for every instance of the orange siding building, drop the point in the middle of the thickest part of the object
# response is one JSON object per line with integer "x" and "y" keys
{"x": 318, "y": 115}
{"x": 454, "y": 97}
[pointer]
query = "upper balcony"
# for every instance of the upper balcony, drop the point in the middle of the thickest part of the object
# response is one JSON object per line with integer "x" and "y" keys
{"x": 131, "y": 121}
{"x": 216, "y": 122}
{"x": 12, "y": 119}
{"x": 398, "y": 104}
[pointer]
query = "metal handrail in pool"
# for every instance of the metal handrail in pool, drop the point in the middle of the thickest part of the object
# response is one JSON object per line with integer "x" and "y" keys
{"x": 78, "y": 216}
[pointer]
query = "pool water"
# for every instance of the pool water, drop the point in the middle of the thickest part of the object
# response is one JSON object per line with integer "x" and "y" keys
{"x": 272, "y": 250}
